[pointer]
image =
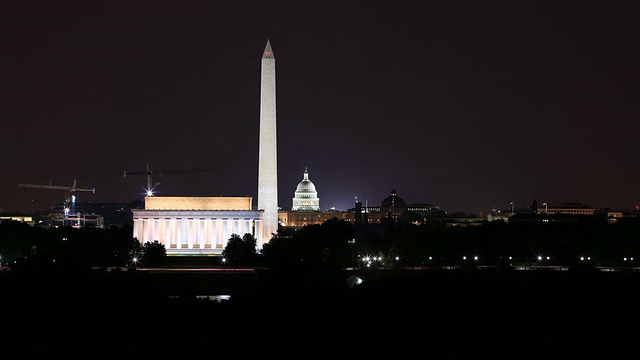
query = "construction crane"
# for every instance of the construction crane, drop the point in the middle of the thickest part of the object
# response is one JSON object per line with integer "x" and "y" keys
{"x": 70, "y": 197}
{"x": 151, "y": 185}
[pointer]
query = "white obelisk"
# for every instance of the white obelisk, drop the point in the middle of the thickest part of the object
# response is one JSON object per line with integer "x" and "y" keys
{"x": 268, "y": 154}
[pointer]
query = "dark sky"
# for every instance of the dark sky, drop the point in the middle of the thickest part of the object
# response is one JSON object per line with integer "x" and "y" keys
{"x": 463, "y": 104}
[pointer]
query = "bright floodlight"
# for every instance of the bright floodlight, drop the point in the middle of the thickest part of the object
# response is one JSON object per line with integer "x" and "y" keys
{"x": 397, "y": 258}
{"x": 135, "y": 259}
{"x": 464, "y": 258}
{"x": 539, "y": 257}
{"x": 224, "y": 260}
{"x": 475, "y": 258}
{"x": 430, "y": 258}
{"x": 149, "y": 193}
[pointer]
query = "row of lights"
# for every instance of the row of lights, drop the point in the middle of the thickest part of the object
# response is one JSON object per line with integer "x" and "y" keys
{"x": 476, "y": 258}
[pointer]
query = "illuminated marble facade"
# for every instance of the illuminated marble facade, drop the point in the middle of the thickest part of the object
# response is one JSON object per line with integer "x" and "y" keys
{"x": 306, "y": 196}
{"x": 268, "y": 154}
{"x": 195, "y": 225}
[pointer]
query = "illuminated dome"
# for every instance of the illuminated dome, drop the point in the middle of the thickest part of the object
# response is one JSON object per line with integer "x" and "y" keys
{"x": 306, "y": 196}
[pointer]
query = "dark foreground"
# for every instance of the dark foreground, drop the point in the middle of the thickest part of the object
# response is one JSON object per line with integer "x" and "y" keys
{"x": 398, "y": 315}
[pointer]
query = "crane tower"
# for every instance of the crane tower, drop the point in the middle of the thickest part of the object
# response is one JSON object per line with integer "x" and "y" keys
{"x": 69, "y": 199}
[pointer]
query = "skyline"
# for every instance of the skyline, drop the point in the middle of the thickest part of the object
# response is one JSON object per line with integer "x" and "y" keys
{"x": 465, "y": 107}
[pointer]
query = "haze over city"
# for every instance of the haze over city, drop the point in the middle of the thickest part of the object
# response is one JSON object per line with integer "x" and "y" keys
{"x": 465, "y": 105}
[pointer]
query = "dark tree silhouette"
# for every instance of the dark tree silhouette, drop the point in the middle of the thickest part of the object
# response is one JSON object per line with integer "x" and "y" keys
{"x": 154, "y": 253}
{"x": 241, "y": 251}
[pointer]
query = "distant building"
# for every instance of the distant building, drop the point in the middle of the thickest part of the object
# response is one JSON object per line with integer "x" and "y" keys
{"x": 458, "y": 219}
{"x": 28, "y": 219}
{"x": 557, "y": 218}
{"x": 89, "y": 214}
{"x": 393, "y": 208}
{"x": 499, "y": 215}
{"x": 574, "y": 208}
{"x": 298, "y": 219}
{"x": 77, "y": 220}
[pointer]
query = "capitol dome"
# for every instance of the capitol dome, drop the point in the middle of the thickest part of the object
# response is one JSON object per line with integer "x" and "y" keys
{"x": 306, "y": 196}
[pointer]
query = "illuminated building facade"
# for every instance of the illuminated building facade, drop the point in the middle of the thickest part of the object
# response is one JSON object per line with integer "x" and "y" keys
{"x": 268, "y": 153}
{"x": 567, "y": 208}
{"x": 196, "y": 225}
{"x": 306, "y": 195}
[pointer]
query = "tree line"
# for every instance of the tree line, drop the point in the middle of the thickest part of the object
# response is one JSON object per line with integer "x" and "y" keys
{"x": 337, "y": 244}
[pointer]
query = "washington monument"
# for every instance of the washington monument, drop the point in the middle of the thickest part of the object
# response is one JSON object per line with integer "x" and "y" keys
{"x": 268, "y": 154}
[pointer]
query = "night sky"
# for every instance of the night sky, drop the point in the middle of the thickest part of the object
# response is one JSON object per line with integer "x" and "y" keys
{"x": 469, "y": 105}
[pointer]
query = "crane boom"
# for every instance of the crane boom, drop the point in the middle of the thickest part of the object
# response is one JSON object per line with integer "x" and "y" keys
{"x": 69, "y": 193}
{"x": 56, "y": 187}
{"x": 149, "y": 173}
